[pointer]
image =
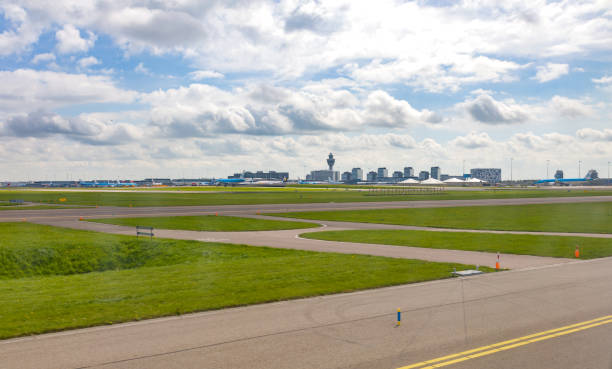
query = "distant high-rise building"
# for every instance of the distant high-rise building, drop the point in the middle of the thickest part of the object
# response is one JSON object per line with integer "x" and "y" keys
{"x": 331, "y": 161}
{"x": 491, "y": 175}
{"x": 423, "y": 175}
{"x": 357, "y": 174}
{"x": 408, "y": 172}
{"x": 398, "y": 174}
{"x": 382, "y": 173}
{"x": 435, "y": 172}
{"x": 559, "y": 174}
{"x": 371, "y": 176}
{"x": 346, "y": 177}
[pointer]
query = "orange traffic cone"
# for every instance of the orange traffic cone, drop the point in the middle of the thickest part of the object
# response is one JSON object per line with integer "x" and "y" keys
{"x": 497, "y": 262}
{"x": 577, "y": 252}
{"x": 216, "y": 214}
{"x": 80, "y": 218}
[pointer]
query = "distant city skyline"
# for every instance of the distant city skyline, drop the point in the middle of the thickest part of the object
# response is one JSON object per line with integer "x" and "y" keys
{"x": 147, "y": 89}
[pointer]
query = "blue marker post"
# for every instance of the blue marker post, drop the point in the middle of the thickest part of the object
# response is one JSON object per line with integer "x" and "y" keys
{"x": 399, "y": 317}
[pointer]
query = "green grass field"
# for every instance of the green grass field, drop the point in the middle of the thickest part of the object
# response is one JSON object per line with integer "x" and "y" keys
{"x": 54, "y": 279}
{"x": 574, "y": 217}
{"x": 208, "y": 223}
{"x": 283, "y": 196}
{"x": 554, "y": 246}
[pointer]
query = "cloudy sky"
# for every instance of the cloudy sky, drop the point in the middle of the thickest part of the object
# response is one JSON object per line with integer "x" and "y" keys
{"x": 173, "y": 88}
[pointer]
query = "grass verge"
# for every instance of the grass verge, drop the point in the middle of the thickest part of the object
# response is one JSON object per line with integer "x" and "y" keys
{"x": 573, "y": 217}
{"x": 118, "y": 278}
{"x": 143, "y": 198}
{"x": 208, "y": 223}
{"x": 553, "y": 246}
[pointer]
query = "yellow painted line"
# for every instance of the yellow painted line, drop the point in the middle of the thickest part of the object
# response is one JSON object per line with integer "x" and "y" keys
{"x": 509, "y": 344}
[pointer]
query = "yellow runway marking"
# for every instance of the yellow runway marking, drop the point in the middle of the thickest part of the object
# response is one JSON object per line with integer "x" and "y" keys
{"x": 509, "y": 344}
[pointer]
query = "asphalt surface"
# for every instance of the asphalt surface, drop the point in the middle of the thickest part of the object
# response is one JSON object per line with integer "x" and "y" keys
{"x": 358, "y": 330}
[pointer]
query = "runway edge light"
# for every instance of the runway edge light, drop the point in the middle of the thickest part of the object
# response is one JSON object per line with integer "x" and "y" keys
{"x": 399, "y": 317}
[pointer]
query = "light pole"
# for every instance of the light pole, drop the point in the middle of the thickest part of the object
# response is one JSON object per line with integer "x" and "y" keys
{"x": 511, "y": 169}
{"x": 547, "y": 165}
{"x": 579, "y": 162}
{"x": 463, "y": 169}
{"x": 608, "y": 172}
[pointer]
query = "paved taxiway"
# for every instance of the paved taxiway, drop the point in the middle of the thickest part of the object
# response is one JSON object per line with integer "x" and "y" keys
{"x": 357, "y": 330}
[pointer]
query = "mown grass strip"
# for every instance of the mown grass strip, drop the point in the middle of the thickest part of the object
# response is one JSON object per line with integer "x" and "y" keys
{"x": 159, "y": 277}
{"x": 572, "y": 217}
{"x": 283, "y": 196}
{"x": 209, "y": 223}
{"x": 553, "y": 246}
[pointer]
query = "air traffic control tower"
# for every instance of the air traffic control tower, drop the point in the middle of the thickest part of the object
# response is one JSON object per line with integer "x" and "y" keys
{"x": 331, "y": 161}
{"x": 325, "y": 175}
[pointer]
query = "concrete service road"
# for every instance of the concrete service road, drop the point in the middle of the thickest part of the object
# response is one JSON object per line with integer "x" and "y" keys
{"x": 108, "y": 211}
{"x": 357, "y": 330}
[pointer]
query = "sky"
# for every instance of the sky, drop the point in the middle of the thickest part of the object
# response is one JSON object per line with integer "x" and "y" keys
{"x": 187, "y": 88}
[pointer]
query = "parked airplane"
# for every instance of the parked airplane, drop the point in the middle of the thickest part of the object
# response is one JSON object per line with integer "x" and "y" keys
{"x": 591, "y": 175}
{"x": 229, "y": 181}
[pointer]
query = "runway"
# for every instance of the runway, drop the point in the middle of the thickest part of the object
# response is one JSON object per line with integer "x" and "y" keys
{"x": 358, "y": 330}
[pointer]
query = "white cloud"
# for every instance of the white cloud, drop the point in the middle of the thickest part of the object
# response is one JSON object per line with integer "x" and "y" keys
{"x": 486, "y": 109}
{"x": 379, "y": 41}
{"x": 44, "y": 124}
{"x": 88, "y": 62}
{"x": 473, "y": 140}
{"x": 570, "y": 108}
{"x": 69, "y": 40}
{"x": 201, "y": 110}
{"x": 43, "y": 58}
{"x": 204, "y": 74}
{"x": 381, "y": 109}
{"x": 603, "y": 80}
{"x": 591, "y": 134}
{"x": 26, "y": 90}
{"x": 550, "y": 72}
{"x": 140, "y": 68}
{"x": 21, "y": 31}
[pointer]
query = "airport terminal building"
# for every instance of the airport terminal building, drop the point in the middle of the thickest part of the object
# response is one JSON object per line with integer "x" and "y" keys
{"x": 490, "y": 175}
